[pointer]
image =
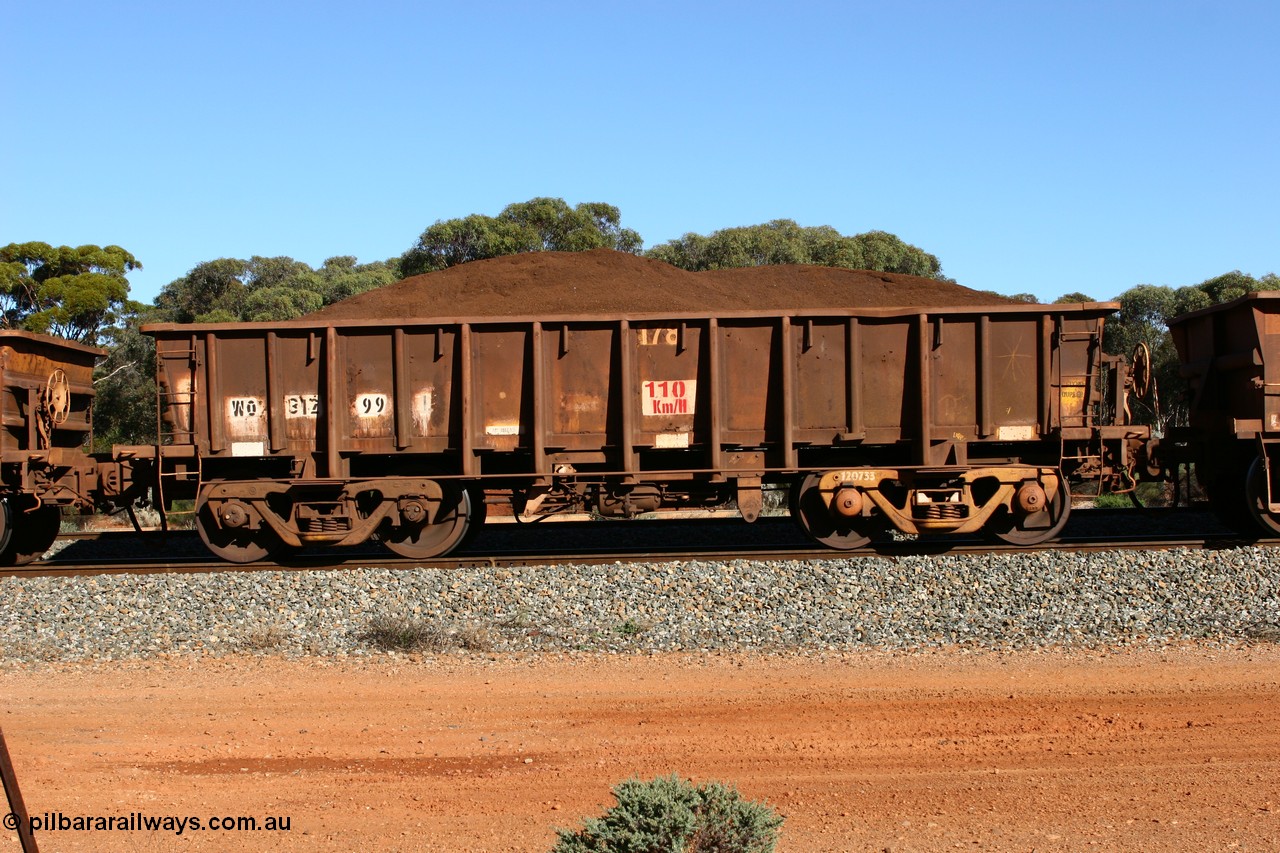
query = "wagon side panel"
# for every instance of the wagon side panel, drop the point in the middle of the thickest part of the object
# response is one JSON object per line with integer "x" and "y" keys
{"x": 31, "y": 368}
{"x": 1230, "y": 357}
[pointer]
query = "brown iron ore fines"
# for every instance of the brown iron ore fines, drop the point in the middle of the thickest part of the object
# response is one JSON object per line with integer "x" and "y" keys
{"x": 606, "y": 282}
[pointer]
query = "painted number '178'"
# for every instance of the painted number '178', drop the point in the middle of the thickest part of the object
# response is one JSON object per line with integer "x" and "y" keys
{"x": 653, "y": 337}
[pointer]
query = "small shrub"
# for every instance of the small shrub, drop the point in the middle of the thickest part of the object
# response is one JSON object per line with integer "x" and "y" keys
{"x": 473, "y": 638}
{"x": 409, "y": 634}
{"x": 405, "y": 634}
{"x": 633, "y": 628}
{"x": 1110, "y": 501}
{"x": 672, "y": 814}
{"x": 264, "y": 638}
{"x": 1262, "y": 632}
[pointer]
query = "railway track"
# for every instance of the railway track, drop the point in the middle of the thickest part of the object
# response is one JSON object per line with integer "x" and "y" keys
{"x": 589, "y": 543}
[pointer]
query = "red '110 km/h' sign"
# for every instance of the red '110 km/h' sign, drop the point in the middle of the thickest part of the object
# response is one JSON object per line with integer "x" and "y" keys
{"x": 670, "y": 397}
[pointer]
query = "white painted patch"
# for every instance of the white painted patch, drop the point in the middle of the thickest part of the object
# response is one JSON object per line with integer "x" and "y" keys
{"x": 248, "y": 448}
{"x": 581, "y": 403}
{"x": 667, "y": 397}
{"x": 244, "y": 408}
{"x": 671, "y": 440}
{"x": 371, "y": 406}
{"x": 180, "y": 402}
{"x": 502, "y": 429}
{"x": 246, "y": 417}
{"x": 1016, "y": 433}
{"x": 424, "y": 403}
{"x": 301, "y": 405}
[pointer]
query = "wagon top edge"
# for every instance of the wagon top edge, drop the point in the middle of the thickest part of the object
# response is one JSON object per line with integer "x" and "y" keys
{"x": 7, "y": 335}
{"x": 1266, "y": 297}
{"x": 1088, "y": 309}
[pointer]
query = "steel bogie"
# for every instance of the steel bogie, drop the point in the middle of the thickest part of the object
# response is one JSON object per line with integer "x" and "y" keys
{"x": 828, "y": 519}
{"x": 434, "y": 527}
{"x": 1021, "y": 504}
{"x": 269, "y": 513}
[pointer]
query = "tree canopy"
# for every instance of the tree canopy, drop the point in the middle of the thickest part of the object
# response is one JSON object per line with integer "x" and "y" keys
{"x": 537, "y": 225}
{"x": 782, "y": 241}
{"x": 270, "y": 289}
{"x": 75, "y": 293}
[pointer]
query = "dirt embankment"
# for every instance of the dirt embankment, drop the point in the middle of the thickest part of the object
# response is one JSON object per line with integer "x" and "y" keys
{"x": 1153, "y": 750}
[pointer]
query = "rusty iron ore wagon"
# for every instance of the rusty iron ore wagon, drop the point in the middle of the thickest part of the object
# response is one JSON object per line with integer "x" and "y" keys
{"x": 946, "y": 421}
{"x": 1230, "y": 356}
{"x": 46, "y": 402}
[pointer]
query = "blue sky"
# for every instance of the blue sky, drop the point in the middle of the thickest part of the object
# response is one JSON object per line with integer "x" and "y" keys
{"x": 1033, "y": 147}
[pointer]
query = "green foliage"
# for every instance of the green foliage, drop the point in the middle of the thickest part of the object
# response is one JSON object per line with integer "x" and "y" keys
{"x": 672, "y": 815}
{"x": 266, "y": 289}
{"x": 280, "y": 303}
{"x": 1144, "y": 312}
{"x": 210, "y": 286}
{"x": 341, "y": 277}
{"x": 782, "y": 241}
{"x": 537, "y": 225}
{"x": 75, "y": 293}
{"x": 1073, "y": 299}
{"x": 124, "y": 410}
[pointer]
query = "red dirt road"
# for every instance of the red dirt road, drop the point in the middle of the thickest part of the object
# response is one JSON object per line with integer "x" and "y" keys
{"x": 1134, "y": 750}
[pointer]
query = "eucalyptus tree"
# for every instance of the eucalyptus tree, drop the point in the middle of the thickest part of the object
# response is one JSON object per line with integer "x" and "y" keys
{"x": 75, "y": 293}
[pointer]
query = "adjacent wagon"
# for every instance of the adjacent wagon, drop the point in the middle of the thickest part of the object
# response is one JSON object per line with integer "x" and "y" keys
{"x": 1230, "y": 356}
{"x": 46, "y": 404}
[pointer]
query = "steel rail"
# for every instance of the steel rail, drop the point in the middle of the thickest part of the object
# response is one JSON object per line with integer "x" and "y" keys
{"x": 534, "y": 557}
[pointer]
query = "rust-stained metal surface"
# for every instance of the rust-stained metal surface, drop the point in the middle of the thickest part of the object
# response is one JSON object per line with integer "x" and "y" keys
{"x": 942, "y": 421}
{"x": 1230, "y": 356}
{"x": 46, "y": 405}
{"x": 46, "y": 426}
{"x": 735, "y": 392}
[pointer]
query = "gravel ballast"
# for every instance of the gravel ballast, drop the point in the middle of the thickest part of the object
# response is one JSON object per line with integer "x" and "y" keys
{"x": 1034, "y": 600}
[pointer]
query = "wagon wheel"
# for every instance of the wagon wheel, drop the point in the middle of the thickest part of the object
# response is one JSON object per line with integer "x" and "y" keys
{"x": 234, "y": 544}
{"x": 1255, "y": 490}
{"x": 812, "y": 511}
{"x": 57, "y": 397}
{"x": 1008, "y": 527}
{"x": 6, "y": 528}
{"x": 458, "y": 515}
{"x": 1140, "y": 370}
{"x": 29, "y": 534}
